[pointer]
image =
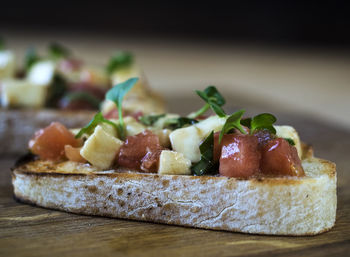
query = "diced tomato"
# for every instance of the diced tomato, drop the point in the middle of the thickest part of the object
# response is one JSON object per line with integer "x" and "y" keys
{"x": 136, "y": 147}
{"x": 225, "y": 138}
{"x": 73, "y": 154}
{"x": 150, "y": 161}
{"x": 264, "y": 136}
{"x": 217, "y": 147}
{"x": 240, "y": 157}
{"x": 280, "y": 158}
{"x": 49, "y": 142}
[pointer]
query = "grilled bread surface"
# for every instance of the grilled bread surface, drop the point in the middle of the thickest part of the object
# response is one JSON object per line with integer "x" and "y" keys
{"x": 275, "y": 206}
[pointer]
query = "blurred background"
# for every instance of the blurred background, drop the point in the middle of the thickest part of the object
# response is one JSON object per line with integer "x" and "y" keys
{"x": 266, "y": 56}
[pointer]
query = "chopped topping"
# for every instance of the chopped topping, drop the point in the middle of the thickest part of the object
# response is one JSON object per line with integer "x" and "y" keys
{"x": 220, "y": 144}
{"x": 206, "y": 165}
{"x": 96, "y": 120}
{"x": 57, "y": 50}
{"x": 240, "y": 157}
{"x": 118, "y": 61}
{"x": 176, "y": 123}
{"x": 135, "y": 149}
{"x": 49, "y": 142}
{"x": 31, "y": 57}
{"x": 262, "y": 121}
{"x": 149, "y": 120}
{"x": 264, "y": 136}
{"x": 213, "y": 99}
{"x": 150, "y": 162}
{"x": 280, "y": 158}
{"x": 233, "y": 122}
{"x": 73, "y": 154}
{"x": 116, "y": 94}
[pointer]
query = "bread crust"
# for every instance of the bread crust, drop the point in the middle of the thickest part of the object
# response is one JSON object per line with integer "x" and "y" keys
{"x": 274, "y": 206}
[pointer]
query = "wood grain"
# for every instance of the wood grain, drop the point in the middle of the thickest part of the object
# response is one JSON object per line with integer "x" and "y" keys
{"x": 32, "y": 231}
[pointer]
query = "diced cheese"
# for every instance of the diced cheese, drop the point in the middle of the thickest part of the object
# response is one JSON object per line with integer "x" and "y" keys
{"x": 107, "y": 106}
{"x": 15, "y": 92}
{"x": 187, "y": 140}
{"x": 163, "y": 135}
{"x": 132, "y": 126}
{"x": 160, "y": 123}
{"x": 109, "y": 129}
{"x": 289, "y": 132}
{"x": 208, "y": 125}
{"x": 173, "y": 163}
{"x": 7, "y": 64}
{"x": 101, "y": 148}
{"x": 42, "y": 73}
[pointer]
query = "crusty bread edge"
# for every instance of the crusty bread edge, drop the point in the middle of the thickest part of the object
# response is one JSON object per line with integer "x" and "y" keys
{"x": 178, "y": 213}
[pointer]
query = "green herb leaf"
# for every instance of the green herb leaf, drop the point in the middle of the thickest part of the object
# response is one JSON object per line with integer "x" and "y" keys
{"x": 119, "y": 61}
{"x": 246, "y": 122}
{"x": 263, "y": 121}
{"x": 56, "y": 91}
{"x": 149, "y": 120}
{"x": 96, "y": 120}
{"x": 290, "y": 141}
{"x": 116, "y": 94}
{"x": 31, "y": 57}
{"x": 213, "y": 99}
{"x": 57, "y": 50}
{"x": 176, "y": 123}
{"x": 206, "y": 164}
{"x": 233, "y": 122}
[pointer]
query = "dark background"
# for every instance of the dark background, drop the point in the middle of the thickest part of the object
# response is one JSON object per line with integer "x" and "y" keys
{"x": 278, "y": 22}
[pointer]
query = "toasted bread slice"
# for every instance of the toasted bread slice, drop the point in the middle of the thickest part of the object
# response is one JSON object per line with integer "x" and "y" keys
{"x": 275, "y": 206}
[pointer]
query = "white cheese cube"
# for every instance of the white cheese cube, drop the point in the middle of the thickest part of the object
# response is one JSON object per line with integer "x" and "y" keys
{"x": 107, "y": 106}
{"x": 132, "y": 126}
{"x": 187, "y": 140}
{"x": 15, "y": 92}
{"x": 163, "y": 135}
{"x": 160, "y": 123}
{"x": 42, "y": 73}
{"x": 101, "y": 148}
{"x": 208, "y": 125}
{"x": 289, "y": 132}
{"x": 173, "y": 163}
{"x": 109, "y": 129}
{"x": 7, "y": 64}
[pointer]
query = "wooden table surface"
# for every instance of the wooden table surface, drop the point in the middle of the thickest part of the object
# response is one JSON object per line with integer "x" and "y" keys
{"x": 32, "y": 231}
